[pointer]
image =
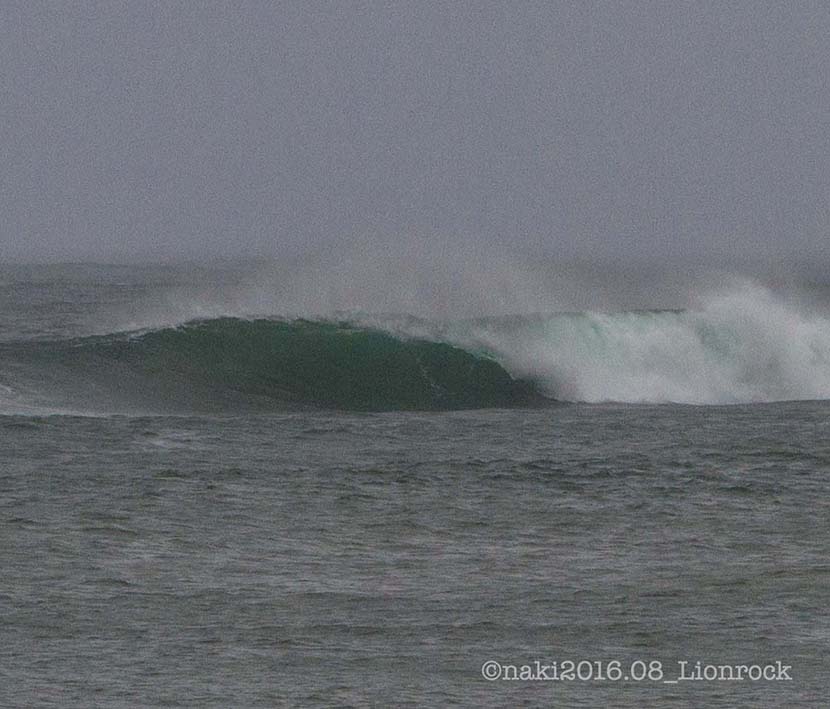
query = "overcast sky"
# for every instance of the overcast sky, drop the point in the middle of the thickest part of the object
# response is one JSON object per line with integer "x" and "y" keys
{"x": 619, "y": 130}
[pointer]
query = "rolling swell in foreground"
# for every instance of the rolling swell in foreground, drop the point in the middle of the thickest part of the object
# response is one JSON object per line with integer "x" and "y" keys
{"x": 231, "y": 363}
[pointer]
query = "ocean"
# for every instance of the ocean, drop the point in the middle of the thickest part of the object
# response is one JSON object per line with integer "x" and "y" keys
{"x": 211, "y": 501}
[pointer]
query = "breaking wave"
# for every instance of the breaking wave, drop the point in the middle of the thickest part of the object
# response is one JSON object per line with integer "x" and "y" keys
{"x": 740, "y": 346}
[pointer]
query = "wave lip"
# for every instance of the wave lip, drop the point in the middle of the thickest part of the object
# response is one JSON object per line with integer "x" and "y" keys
{"x": 230, "y": 363}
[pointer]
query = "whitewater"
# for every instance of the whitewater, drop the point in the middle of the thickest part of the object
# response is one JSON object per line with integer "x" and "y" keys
{"x": 741, "y": 346}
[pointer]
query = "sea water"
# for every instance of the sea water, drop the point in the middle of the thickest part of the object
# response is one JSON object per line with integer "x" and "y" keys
{"x": 213, "y": 505}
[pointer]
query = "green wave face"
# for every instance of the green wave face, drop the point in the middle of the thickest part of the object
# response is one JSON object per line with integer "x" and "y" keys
{"x": 221, "y": 363}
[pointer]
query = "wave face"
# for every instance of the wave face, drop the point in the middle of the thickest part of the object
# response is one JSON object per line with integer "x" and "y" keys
{"x": 228, "y": 363}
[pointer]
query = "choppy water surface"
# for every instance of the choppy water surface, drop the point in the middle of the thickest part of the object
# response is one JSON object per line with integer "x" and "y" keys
{"x": 380, "y": 559}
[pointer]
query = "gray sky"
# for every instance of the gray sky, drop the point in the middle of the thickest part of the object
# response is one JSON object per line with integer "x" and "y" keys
{"x": 620, "y": 130}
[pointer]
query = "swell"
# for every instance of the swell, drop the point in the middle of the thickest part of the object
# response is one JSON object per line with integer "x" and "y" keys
{"x": 230, "y": 363}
